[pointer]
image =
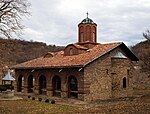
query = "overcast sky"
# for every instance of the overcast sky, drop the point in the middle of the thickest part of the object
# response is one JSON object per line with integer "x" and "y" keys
{"x": 56, "y": 21}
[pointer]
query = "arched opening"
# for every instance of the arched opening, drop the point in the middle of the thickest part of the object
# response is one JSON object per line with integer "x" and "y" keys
{"x": 42, "y": 85}
{"x": 56, "y": 81}
{"x": 20, "y": 84}
{"x": 88, "y": 33}
{"x": 81, "y": 37}
{"x": 72, "y": 87}
{"x": 124, "y": 82}
{"x": 71, "y": 51}
{"x": 93, "y": 37}
{"x": 81, "y": 32}
{"x": 30, "y": 84}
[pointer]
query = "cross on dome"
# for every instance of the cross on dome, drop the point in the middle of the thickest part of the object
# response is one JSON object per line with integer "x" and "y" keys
{"x": 87, "y": 14}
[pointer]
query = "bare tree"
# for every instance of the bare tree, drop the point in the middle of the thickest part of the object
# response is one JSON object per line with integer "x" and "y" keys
{"x": 146, "y": 34}
{"x": 11, "y": 12}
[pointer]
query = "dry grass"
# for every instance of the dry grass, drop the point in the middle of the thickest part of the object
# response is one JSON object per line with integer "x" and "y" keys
{"x": 134, "y": 106}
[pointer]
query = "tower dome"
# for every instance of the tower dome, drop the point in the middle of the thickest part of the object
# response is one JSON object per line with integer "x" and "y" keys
{"x": 87, "y": 31}
{"x": 87, "y": 20}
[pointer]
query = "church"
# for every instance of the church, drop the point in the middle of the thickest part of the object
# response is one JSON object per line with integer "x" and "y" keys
{"x": 85, "y": 70}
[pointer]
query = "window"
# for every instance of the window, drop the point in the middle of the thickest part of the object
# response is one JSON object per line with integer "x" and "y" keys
{"x": 106, "y": 71}
{"x": 93, "y": 37}
{"x": 81, "y": 37}
{"x": 88, "y": 33}
{"x": 81, "y": 31}
{"x": 128, "y": 72}
{"x": 71, "y": 51}
{"x": 124, "y": 82}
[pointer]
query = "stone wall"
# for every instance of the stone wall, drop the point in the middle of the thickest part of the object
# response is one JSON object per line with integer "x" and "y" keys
{"x": 101, "y": 79}
{"x": 142, "y": 84}
{"x": 105, "y": 76}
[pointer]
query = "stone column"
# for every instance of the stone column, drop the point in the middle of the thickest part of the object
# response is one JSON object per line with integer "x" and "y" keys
{"x": 49, "y": 90}
{"x": 64, "y": 88}
{"x": 36, "y": 86}
{"x": 25, "y": 88}
{"x": 81, "y": 87}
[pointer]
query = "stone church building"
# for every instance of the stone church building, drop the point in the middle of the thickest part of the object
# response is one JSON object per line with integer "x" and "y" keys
{"x": 85, "y": 70}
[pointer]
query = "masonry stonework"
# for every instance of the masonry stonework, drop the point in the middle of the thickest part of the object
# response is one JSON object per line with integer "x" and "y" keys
{"x": 105, "y": 76}
{"x": 85, "y": 70}
{"x": 49, "y": 74}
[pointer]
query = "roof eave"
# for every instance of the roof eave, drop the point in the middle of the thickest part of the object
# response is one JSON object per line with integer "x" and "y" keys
{"x": 47, "y": 67}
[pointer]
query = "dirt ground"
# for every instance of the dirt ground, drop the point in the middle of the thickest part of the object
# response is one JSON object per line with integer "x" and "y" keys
{"x": 122, "y": 106}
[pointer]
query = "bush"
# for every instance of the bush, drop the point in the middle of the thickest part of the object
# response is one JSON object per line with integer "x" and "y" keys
{"x": 47, "y": 100}
{"x": 40, "y": 99}
{"x": 3, "y": 88}
{"x": 29, "y": 96}
{"x": 33, "y": 98}
{"x": 53, "y": 102}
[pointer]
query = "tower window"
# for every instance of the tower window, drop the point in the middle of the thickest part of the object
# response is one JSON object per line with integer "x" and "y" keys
{"x": 93, "y": 37}
{"x": 124, "y": 82}
{"x": 81, "y": 37}
{"x": 106, "y": 71}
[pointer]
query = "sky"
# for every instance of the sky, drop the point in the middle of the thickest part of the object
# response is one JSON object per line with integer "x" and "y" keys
{"x": 56, "y": 21}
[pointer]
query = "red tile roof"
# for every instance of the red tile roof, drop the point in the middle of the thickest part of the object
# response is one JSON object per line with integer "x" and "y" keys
{"x": 59, "y": 60}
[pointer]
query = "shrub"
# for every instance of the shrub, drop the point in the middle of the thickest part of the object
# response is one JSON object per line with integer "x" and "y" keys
{"x": 52, "y": 101}
{"x": 3, "y": 88}
{"x": 33, "y": 98}
{"x": 40, "y": 99}
{"x": 29, "y": 96}
{"x": 47, "y": 100}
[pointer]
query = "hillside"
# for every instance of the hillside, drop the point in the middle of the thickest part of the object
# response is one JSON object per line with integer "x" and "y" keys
{"x": 142, "y": 50}
{"x": 13, "y": 51}
{"x": 142, "y": 84}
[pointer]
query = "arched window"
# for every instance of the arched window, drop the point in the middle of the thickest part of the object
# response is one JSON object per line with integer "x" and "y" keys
{"x": 56, "y": 81}
{"x": 81, "y": 37}
{"x": 93, "y": 37}
{"x": 81, "y": 32}
{"x": 71, "y": 51}
{"x": 124, "y": 82}
{"x": 72, "y": 87}
{"x": 88, "y": 33}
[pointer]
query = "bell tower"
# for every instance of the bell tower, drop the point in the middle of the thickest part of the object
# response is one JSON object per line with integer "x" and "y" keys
{"x": 87, "y": 31}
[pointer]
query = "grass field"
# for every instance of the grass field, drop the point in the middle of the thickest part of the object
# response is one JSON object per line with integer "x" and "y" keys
{"x": 134, "y": 106}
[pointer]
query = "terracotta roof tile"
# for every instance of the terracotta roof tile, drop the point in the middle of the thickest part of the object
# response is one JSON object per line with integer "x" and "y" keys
{"x": 80, "y": 47}
{"x": 59, "y": 60}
